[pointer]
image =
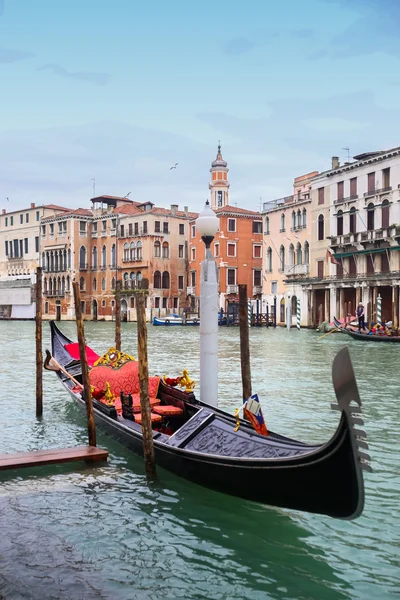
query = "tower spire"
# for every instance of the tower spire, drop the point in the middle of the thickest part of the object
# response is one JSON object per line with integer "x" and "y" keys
{"x": 219, "y": 184}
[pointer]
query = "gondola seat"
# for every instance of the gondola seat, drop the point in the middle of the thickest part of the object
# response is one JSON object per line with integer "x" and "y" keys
{"x": 154, "y": 418}
{"x": 168, "y": 410}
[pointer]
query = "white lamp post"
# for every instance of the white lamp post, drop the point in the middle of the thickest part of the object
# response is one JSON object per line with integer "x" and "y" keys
{"x": 207, "y": 225}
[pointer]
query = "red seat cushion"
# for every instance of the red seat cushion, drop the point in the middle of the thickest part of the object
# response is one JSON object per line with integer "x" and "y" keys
{"x": 154, "y": 418}
{"x": 168, "y": 411}
{"x": 125, "y": 379}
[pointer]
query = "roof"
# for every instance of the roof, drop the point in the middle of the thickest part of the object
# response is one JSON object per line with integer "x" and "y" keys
{"x": 56, "y": 207}
{"x": 119, "y": 198}
{"x": 237, "y": 210}
{"x": 219, "y": 161}
{"x": 305, "y": 177}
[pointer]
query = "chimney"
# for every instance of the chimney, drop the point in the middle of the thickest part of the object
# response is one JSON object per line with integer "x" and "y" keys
{"x": 335, "y": 162}
{"x": 32, "y": 205}
{"x": 3, "y": 212}
{"x": 185, "y": 208}
{"x": 174, "y": 208}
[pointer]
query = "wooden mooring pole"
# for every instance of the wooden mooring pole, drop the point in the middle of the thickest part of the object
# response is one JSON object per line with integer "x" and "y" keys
{"x": 85, "y": 371}
{"x": 39, "y": 351}
{"x": 147, "y": 431}
{"x": 118, "y": 315}
{"x": 244, "y": 342}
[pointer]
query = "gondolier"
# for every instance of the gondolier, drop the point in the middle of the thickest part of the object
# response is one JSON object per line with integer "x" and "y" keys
{"x": 361, "y": 316}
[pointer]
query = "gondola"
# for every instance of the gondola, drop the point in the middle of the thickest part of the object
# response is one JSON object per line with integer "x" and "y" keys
{"x": 366, "y": 337}
{"x": 204, "y": 447}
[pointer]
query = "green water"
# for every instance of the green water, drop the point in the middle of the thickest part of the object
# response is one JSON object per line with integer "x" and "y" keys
{"x": 82, "y": 532}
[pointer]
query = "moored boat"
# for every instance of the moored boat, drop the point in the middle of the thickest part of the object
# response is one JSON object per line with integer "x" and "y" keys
{"x": 175, "y": 320}
{"x": 367, "y": 336}
{"x": 203, "y": 444}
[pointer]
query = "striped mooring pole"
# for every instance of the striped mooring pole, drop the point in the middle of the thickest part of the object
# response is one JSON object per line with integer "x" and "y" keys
{"x": 249, "y": 312}
{"x": 298, "y": 314}
{"x": 379, "y": 309}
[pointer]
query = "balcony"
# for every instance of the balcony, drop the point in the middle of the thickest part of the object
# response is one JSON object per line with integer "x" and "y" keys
{"x": 344, "y": 200}
{"x": 94, "y": 234}
{"x": 377, "y": 192}
{"x": 257, "y": 290}
{"x": 83, "y": 266}
{"x": 59, "y": 294}
{"x": 191, "y": 290}
{"x": 293, "y": 270}
{"x": 82, "y": 234}
{"x": 232, "y": 289}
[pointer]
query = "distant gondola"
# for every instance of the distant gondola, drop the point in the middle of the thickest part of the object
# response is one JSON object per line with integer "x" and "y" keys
{"x": 366, "y": 337}
{"x": 204, "y": 448}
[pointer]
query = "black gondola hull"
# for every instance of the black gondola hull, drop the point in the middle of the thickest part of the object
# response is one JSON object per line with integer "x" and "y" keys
{"x": 363, "y": 337}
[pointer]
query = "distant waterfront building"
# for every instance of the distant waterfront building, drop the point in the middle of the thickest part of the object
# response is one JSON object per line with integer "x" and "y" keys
{"x": 237, "y": 247}
{"x": 19, "y": 257}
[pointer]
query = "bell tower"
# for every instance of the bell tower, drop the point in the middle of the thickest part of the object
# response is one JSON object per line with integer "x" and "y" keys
{"x": 219, "y": 184}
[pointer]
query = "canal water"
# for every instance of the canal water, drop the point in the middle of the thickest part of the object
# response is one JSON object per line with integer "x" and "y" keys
{"x": 81, "y": 532}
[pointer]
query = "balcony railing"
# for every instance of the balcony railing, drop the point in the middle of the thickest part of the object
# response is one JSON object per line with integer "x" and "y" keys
{"x": 83, "y": 266}
{"x": 95, "y": 234}
{"x": 301, "y": 269}
{"x": 232, "y": 289}
{"x": 257, "y": 290}
{"x": 390, "y": 275}
{"x": 191, "y": 290}
{"x": 347, "y": 199}
{"x": 377, "y": 192}
{"x": 54, "y": 294}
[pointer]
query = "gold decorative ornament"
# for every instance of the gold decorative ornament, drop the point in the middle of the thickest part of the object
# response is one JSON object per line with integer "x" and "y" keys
{"x": 186, "y": 382}
{"x": 108, "y": 395}
{"x": 113, "y": 358}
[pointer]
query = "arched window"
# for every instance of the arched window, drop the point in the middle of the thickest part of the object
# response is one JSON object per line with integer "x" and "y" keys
{"x": 385, "y": 214}
{"x": 370, "y": 217}
{"x": 113, "y": 256}
{"x": 304, "y": 218}
{"x": 157, "y": 280}
{"x": 139, "y": 251}
{"x": 63, "y": 286}
{"x": 103, "y": 284}
{"x": 133, "y": 251}
{"x": 45, "y": 285}
{"x": 353, "y": 222}
{"x": 51, "y": 262}
{"x": 165, "y": 280}
{"x": 104, "y": 257}
{"x": 82, "y": 257}
{"x": 43, "y": 261}
{"x": 165, "y": 250}
{"x": 68, "y": 284}
{"x": 133, "y": 278}
{"x": 94, "y": 284}
{"x": 339, "y": 222}
{"x": 69, "y": 259}
{"x": 82, "y": 284}
{"x": 139, "y": 276}
{"x": 126, "y": 252}
{"x": 94, "y": 258}
{"x": 157, "y": 249}
{"x": 113, "y": 283}
{"x": 306, "y": 253}
{"x": 321, "y": 227}
{"x": 282, "y": 258}
{"x": 266, "y": 224}
{"x": 282, "y": 222}
{"x": 50, "y": 286}
{"x": 299, "y": 218}
{"x": 299, "y": 254}
{"x": 291, "y": 255}
{"x": 56, "y": 260}
{"x": 269, "y": 259}
{"x": 293, "y": 225}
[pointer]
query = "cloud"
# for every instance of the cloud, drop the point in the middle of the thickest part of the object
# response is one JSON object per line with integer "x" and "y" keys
{"x": 96, "y": 78}
{"x": 238, "y": 46}
{"x": 9, "y": 56}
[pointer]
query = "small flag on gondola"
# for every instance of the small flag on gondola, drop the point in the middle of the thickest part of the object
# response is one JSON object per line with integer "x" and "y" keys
{"x": 252, "y": 411}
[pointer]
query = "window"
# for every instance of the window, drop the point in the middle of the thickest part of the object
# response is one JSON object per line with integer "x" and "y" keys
{"x": 157, "y": 280}
{"x": 113, "y": 284}
{"x": 180, "y": 282}
{"x": 231, "y": 275}
{"x": 94, "y": 286}
{"x": 26, "y": 245}
{"x": 353, "y": 187}
{"x": 180, "y": 251}
{"x": 103, "y": 303}
{"x": 21, "y": 219}
{"x": 122, "y": 230}
{"x": 94, "y": 227}
{"x": 51, "y": 229}
{"x": 157, "y": 226}
{"x": 7, "y": 248}
{"x": 257, "y": 278}
{"x": 27, "y": 218}
{"x": 181, "y": 229}
{"x": 339, "y": 223}
{"x": 320, "y": 269}
{"x": 165, "y": 280}
{"x": 320, "y": 227}
{"x": 216, "y": 250}
{"x": 386, "y": 178}
{"x": 104, "y": 257}
{"x": 157, "y": 249}
{"x": 385, "y": 214}
{"x": 103, "y": 284}
{"x": 104, "y": 226}
{"x": 113, "y": 223}
{"x": 370, "y": 217}
{"x": 340, "y": 190}
{"x": 257, "y": 251}
{"x": 82, "y": 257}
{"x": 132, "y": 251}
{"x": 232, "y": 225}
{"x": 157, "y": 302}
{"x": 306, "y": 253}
{"x": 193, "y": 253}
{"x": 165, "y": 302}
{"x": 11, "y": 220}
{"x": 139, "y": 250}
{"x": 136, "y": 228}
{"x": 132, "y": 301}
{"x": 353, "y": 226}
{"x": 130, "y": 229}
{"x": 269, "y": 260}
{"x": 219, "y": 196}
{"x": 37, "y": 216}
{"x": 371, "y": 182}
{"x": 293, "y": 221}
{"x": 37, "y": 243}
{"x": 94, "y": 258}
{"x": 165, "y": 249}
{"x": 274, "y": 287}
{"x": 176, "y": 302}
{"x": 113, "y": 256}
{"x": 6, "y": 221}
{"x": 82, "y": 227}
{"x": 304, "y": 218}
{"x": 165, "y": 227}
{"x": 282, "y": 222}
{"x": 231, "y": 249}
{"x": 46, "y": 308}
{"x": 193, "y": 231}
{"x": 43, "y": 230}
{"x": 16, "y": 249}
{"x": 193, "y": 278}
{"x": 266, "y": 224}
{"x": 298, "y": 224}
{"x": 282, "y": 258}
{"x": 321, "y": 195}
{"x": 144, "y": 226}
{"x": 81, "y": 284}
{"x": 257, "y": 226}
{"x": 299, "y": 254}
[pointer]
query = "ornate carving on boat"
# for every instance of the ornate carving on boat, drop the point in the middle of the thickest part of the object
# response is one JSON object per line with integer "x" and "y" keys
{"x": 114, "y": 358}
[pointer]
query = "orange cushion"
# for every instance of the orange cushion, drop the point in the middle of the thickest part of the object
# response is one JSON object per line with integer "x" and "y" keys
{"x": 125, "y": 379}
{"x": 168, "y": 411}
{"x": 136, "y": 402}
{"x": 154, "y": 418}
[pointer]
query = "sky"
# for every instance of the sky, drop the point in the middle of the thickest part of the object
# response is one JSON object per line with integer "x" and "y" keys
{"x": 119, "y": 91}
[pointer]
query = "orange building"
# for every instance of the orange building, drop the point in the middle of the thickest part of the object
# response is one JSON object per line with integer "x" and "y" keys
{"x": 237, "y": 247}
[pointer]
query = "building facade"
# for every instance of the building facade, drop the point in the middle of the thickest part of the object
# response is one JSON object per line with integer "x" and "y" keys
{"x": 237, "y": 246}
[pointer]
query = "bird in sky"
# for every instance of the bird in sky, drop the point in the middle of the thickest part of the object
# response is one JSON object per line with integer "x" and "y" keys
{"x": 174, "y": 167}
{"x": 8, "y": 199}
{"x": 127, "y": 195}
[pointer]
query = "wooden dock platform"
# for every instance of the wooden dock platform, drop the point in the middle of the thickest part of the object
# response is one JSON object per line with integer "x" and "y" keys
{"x": 53, "y": 456}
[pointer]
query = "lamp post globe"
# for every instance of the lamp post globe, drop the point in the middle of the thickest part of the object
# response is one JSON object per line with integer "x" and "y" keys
{"x": 207, "y": 224}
